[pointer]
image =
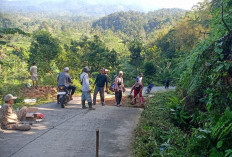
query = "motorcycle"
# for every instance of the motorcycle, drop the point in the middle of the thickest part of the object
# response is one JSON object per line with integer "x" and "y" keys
{"x": 63, "y": 96}
{"x": 148, "y": 90}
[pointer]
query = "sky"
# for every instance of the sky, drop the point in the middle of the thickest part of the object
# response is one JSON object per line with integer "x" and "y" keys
{"x": 148, "y": 4}
{"x": 183, "y": 4}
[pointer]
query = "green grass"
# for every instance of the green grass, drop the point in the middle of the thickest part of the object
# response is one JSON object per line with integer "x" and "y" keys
{"x": 155, "y": 135}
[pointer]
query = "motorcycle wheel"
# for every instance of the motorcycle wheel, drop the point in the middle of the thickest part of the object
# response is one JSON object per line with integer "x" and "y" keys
{"x": 148, "y": 90}
{"x": 62, "y": 102}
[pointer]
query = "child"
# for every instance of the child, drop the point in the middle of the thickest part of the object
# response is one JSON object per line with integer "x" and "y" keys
{"x": 137, "y": 88}
{"x": 112, "y": 86}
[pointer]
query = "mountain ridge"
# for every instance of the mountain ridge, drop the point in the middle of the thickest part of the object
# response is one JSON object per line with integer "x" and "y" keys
{"x": 82, "y": 7}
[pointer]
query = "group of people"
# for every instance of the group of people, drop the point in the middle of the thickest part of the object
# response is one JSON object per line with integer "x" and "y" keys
{"x": 10, "y": 119}
{"x": 99, "y": 85}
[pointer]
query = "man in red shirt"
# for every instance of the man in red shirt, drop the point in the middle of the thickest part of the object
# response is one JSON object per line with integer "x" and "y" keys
{"x": 137, "y": 88}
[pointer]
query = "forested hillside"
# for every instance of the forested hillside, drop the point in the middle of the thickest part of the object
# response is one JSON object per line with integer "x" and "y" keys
{"x": 137, "y": 23}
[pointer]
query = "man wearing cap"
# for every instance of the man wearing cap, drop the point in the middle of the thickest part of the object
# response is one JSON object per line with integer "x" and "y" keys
{"x": 64, "y": 79}
{"x": 9, "y": 119}
{"x": 106, "y": 73}
{"x": 85, "y": 89}
{"x": 139, "y": 78}
{"x": 100, "y": 82}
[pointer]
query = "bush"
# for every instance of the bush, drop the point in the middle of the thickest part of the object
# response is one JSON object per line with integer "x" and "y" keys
{"x": 155, "y": 135}
{"x": 48, "y": 80}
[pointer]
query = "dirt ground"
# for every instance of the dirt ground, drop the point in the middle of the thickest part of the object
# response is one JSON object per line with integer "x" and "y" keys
{"x": 41, "y": 91}
{"x": 51, "y": 92}
{"x": 126, "y": 102}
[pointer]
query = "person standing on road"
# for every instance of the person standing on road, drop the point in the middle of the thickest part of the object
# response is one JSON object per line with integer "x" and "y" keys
{"x": 64, "y": 79}
{"x": 34, "y": 75}
{"x": 9, "y": 119}
{"x": 85, "y": 89}
{"x": 119, "y": 88}
{"x": 139, "y": 78}
{"x": 100, "y": 82}
{"x": 167, "y": 83}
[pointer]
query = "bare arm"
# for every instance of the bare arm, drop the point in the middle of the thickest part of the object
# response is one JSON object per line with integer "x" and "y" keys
{"x": 116, "y": 84}
{"x": 132, "y": 88}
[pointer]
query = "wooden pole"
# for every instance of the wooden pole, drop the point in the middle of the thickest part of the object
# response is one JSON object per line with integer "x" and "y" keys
{"x": 97, "y": 143}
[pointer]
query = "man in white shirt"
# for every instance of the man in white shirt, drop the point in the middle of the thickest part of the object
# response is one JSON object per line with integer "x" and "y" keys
{"x": 34, "y": 76}
{"x": 85, "y": 89}
{"x": 139, "y": 78}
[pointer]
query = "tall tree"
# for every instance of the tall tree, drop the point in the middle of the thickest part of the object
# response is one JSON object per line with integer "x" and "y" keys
{"x": 44, "y": 48}
{"x": 136, "y": 58}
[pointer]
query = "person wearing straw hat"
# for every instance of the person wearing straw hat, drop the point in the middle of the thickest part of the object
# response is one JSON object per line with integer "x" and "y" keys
{"x": 119, "y": 88}
{"x": 85, "y": 89}
{"x": 9, "y": 119}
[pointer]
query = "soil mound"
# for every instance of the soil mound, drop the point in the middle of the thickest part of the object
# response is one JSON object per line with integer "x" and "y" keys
{"x": 40, "y": 92}
{"x": 126, "y": 102}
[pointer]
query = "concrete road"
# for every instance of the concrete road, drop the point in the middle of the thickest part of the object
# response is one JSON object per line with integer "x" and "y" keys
{"x": 158, "y": 89}
{"x": 71, "y": 132}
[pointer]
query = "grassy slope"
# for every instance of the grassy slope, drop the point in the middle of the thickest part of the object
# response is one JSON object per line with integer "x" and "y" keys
{"x": 155, "y": 135}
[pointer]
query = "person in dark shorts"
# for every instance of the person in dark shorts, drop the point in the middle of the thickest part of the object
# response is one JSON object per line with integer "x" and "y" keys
{"x": 167, "y": 83}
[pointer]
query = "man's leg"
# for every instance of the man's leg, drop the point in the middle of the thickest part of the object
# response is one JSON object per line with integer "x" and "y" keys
{"x": 89, "y": 100}
{"x": 83, "y": 98}
{"x": 72, "y": 88}
{"x": 95, "y": 95}
{"x": 37, "y": 82}
{"x": 21, "y": 127}
{"x": 21, "y": 114}
{"x": 135, "y": 96}
{"x": 33, "y": 81}
{"x": 141, "y": 97}
{"x": 117, "y": 97}
{"x": 102, "y": 95}
{"x": 120, "y": 97}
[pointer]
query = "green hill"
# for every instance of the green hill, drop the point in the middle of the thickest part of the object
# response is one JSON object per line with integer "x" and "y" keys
{"x": 138, "y": 22}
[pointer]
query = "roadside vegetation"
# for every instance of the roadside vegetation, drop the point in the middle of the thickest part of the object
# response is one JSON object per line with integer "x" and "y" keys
{"x": 155, "y": 134}
{"x": 200, "y": 111}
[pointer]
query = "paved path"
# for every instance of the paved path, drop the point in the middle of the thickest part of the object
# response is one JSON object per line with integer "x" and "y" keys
{"x": 71, "y": 132}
